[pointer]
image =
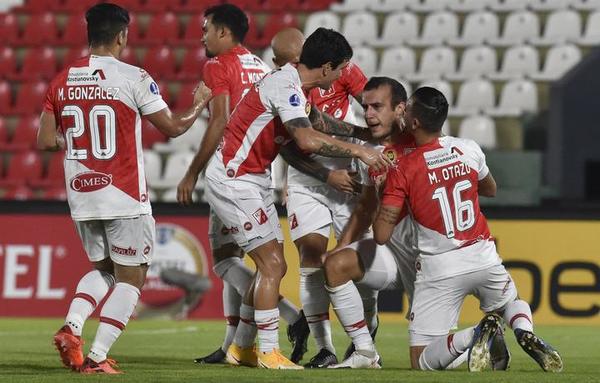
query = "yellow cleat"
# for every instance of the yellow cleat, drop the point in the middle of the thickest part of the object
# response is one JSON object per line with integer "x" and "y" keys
{"x": 239, "y": 356}
{"x": 276, "y": 361}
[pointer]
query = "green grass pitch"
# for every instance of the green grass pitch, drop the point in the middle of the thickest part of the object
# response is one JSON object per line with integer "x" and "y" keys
{"x": 162, "y": 351}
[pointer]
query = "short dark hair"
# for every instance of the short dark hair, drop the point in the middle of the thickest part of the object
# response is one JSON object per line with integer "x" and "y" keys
{"x": 231, "y": 17}
{"x": 323, "y": 46}
{"x": 396, "y": 89}
{"x": 104, "y": 22}
{"x": 430, "y": 107}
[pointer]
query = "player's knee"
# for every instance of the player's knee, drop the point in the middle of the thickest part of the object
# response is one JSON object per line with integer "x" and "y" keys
{"x": 335, "y": 267}
{"x": 275, "y": 267}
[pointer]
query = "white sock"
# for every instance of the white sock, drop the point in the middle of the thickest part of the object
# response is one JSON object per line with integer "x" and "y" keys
{"x": 456, "y": 363}
{"x": 113, "y": 318}
{"x": 289, "y": 311}
{"x": 267, "y": 323}
{"x": 347, "y": 304}
{"x": 246, "y": 329}
{"x": 518, "y": 315}
{"x": 91, "y": 289}
{"x": 369, "y": 298}
{"x": 234, "y": 271}
{"x": 315, "y": 303}
{"x": 445, "y": 349}
{"x": 231, "y": 309}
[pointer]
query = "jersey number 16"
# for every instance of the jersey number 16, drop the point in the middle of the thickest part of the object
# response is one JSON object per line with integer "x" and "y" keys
{"x": 463, "y": 210}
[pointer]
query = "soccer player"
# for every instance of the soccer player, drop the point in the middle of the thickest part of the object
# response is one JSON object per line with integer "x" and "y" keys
{"x": 439, "y": 182}
{"x": 274, "y": 112}
{"x": 93, "y": 110}
{"x": 229, "y": 74}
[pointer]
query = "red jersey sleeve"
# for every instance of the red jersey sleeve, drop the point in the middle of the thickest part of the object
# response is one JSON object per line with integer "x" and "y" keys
{"x": 354, "y": 79}
{"x": 216, "y": 78}
{"x": 395, "y": 190}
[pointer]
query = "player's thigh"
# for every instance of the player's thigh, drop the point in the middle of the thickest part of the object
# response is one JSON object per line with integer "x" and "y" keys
{"x": 495, "y": 288}
{"x": 435, "y": 309}
{"x": 131, "y": 240}
{"x": 308, "y": 212}
{"x": 380, "y": 271}
{"x": 93, "y": 238}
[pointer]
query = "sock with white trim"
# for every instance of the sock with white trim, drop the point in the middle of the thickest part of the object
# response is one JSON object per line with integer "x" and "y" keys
{"x": 231, "y": 309}
{"x": 267, "y": 324}
{"x": 315, "y": 303}
{"x": 518, "y": 315}
{"x": 445, "y": 349}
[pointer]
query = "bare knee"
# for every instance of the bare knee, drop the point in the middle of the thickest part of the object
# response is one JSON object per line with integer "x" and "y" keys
{"x": 339, "y": 268}
{"x": 106, "y": 265}
{"x": 133, "y": 275}
{"x": 227, "y": 251}
{"x": 311, "y": 247}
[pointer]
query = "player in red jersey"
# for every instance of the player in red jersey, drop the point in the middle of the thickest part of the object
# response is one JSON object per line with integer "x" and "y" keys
{"x": 93, "y": 109}
{"x": 229, "y": 73}
{"x": 440, "y": 183}
{"x": 273, "y": 113}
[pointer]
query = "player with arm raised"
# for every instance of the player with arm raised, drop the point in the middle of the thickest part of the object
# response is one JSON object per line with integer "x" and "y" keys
{"x": 272, "y": 113}
{"x": 440, "y": 182}
{"x": 93, "y": 110}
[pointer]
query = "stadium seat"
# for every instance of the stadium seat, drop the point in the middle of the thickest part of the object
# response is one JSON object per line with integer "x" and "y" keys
{"x": 397, "y": 62}
{"x": 398, "y": 28}
{"x": 274, "y": 23}
{"x": 466, "y": 6}
{"x": 151, "y": 135}
{"x": 442, "y": 86}
{"x": 74, "y": 6}
{"x": 324, "y": 19}
{"x": 519, "y": 27}
{"x": 185, "y": 96}
{"x": 30, "y": 97}
{"x": 591, "y": 35}
{"x": 130, "y": 5}
{"x": 561, "y": 27}
{"x": 366, "y": 59}
{"x": 548, "y": 5}
{"x": 18, "y": 193}
{"x": 187, "y": 141}
{"x": 446, "y": 128}
{"x": 517, "y": 97}
{"x": 23, "y": 167}
{"x": 57, "y": 193}
{"x": 55, "y": 174}
{"x": 170, "y": 195}
{"x": 40, "y": 29}
{"x": 160, "y": 62}
{"x": 74, "y": 54}
{"x": 438, "y": 28}
{"x": 32, "y": 6}
{"x": 478, "y": 28}
{"x": 192, "y": 64}
{"x": 25, "y": 134}
{"x": 75, "y": 32}
{"x": 3, "y": 136}
{"x": 38, "y": 63}
{"x": 350, "y": 6}
{"x": 508, "y": 5}
{"x": 8, "y": 63}
{"x": 267, "y": 57}
{"x": 474, "y": 96}
{"x": 128, "y": 56}
{"x": 427, "y": 6}
{"x": 476, "y": 61}
{"x": 9, "y": 28}
{"x": 193, "y": 32}
{"x": 160, "y": 6}
{"x": 152, "y": 196}
{"x": 518, "y": 61}
{"x": 8, "y": 4}
{"x": 313, "y": 5}
{"x": 586, "y": 5}
{"x": 283, "y": 5}
{"x": 480, "y": 129}
{"x": 385, "y": 6}
{"x": 194, "y": 6}
{"x": 435, "y": 62}
{"x": 5, "y": 98}
{"x": 163, "y": 28}
{"x": 152, "y": 166}
{"x": 559, "y": 60}
{"x": 134, "y": 33}
{"x": 175, "y": 168}
{"x": 360, "y": 28}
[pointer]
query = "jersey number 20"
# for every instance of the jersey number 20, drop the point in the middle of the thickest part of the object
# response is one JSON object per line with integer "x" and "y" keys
{"x": 463, "y": 210}
{"x": 77, "y": 130}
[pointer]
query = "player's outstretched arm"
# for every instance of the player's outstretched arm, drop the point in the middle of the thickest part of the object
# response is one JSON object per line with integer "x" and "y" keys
{"x": 487, "y": 186}
{"x": 310, "y": 140}
{"x": 175, "y": 124}
{"x": 48, "y": 137}
{"x": 385, "y": 222}
{"x": 325, "y": 123}
{"x": 362, "y": 217}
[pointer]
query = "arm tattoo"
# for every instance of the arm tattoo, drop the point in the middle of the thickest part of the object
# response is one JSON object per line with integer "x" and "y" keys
{"x": 297, "y": 123}
{"x": 329, "y": 125}
{"x": 333, "y": 150}
{"x": 389, "y": 216}
{"x": 302, "y": 162}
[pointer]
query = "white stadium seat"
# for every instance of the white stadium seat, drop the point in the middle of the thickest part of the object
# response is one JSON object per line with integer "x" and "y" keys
{"x": 175, "y": 168}
{"x": 548, "y": 5}
{"x": 508, "y": 5}
{"x": 465, "y": 6}
{"x": 267, "y": 57}
{"x": 350, "y": 6}
{"x": 384, "y": 6}
{"x": 480, "y": 129}
{"x": 473, "y": 97}
{"x": 519, "y": 27}
{"x": 398, "y": 28}
{"x": 478, "y": 28}
{"x": 397, "y": 62}
{"x": 360, "y": 28}
{"x": 446, "y": 128}
{"x": 519, "y": 61}
{"x": 429, "y": 5}
{"x": 591, "y": 35}
{"x": 435, "y": 62}
{"x": 559, "y": 60}
{"x": 561, "y": 27}
{"x": 325, "y": 19}
{"x": 366, "y": 59}
{"x": 189, "y": 140}
{"x": 517, "y": 97}
{"x": 438, "y": 28}
{"x": 152, "y": 195}
{"x": 152, "y": 166}
{"x": 442, "y": 86}
{"x": 475, "y": 62}
{"x": 586, "y": 5}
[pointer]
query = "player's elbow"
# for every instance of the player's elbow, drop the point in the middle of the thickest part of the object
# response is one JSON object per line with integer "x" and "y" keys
{"x": 380, "y": 236}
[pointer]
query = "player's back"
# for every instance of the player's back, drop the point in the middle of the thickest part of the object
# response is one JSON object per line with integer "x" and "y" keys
{"x": 98, "y": 102}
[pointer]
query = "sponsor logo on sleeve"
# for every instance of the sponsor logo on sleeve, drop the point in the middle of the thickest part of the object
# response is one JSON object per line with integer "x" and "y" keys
{"x": 294, "y": 100}
{"x": 90, "y": 181}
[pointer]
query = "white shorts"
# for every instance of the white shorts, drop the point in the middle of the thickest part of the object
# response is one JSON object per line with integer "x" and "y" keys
{"x": 247, "y": 212}
{"x": 219, "y": 235}
{"x": 313, "y": 209}
{"x": 436, "y": 304}
{"x": 127, "y": 241}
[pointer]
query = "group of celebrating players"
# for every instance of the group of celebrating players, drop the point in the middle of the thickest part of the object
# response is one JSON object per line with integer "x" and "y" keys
{"x": 402, "y": 200}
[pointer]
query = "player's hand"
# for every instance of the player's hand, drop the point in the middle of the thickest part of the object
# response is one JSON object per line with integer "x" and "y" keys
{"x": 185, "y": 189}
{"x": 202, "y": 94}
{"x": 343, "y": 180}
{"x": 375, "y": 158}
{"x": 60, "y": 141}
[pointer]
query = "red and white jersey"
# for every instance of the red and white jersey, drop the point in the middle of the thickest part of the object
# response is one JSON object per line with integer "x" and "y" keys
{"x": 98, "y": 102}
{"x": 336, "y": 101}
{"x": 255, "y": 130}
{"x": 233, "y": 73}
{"x": 439, "y": 183}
